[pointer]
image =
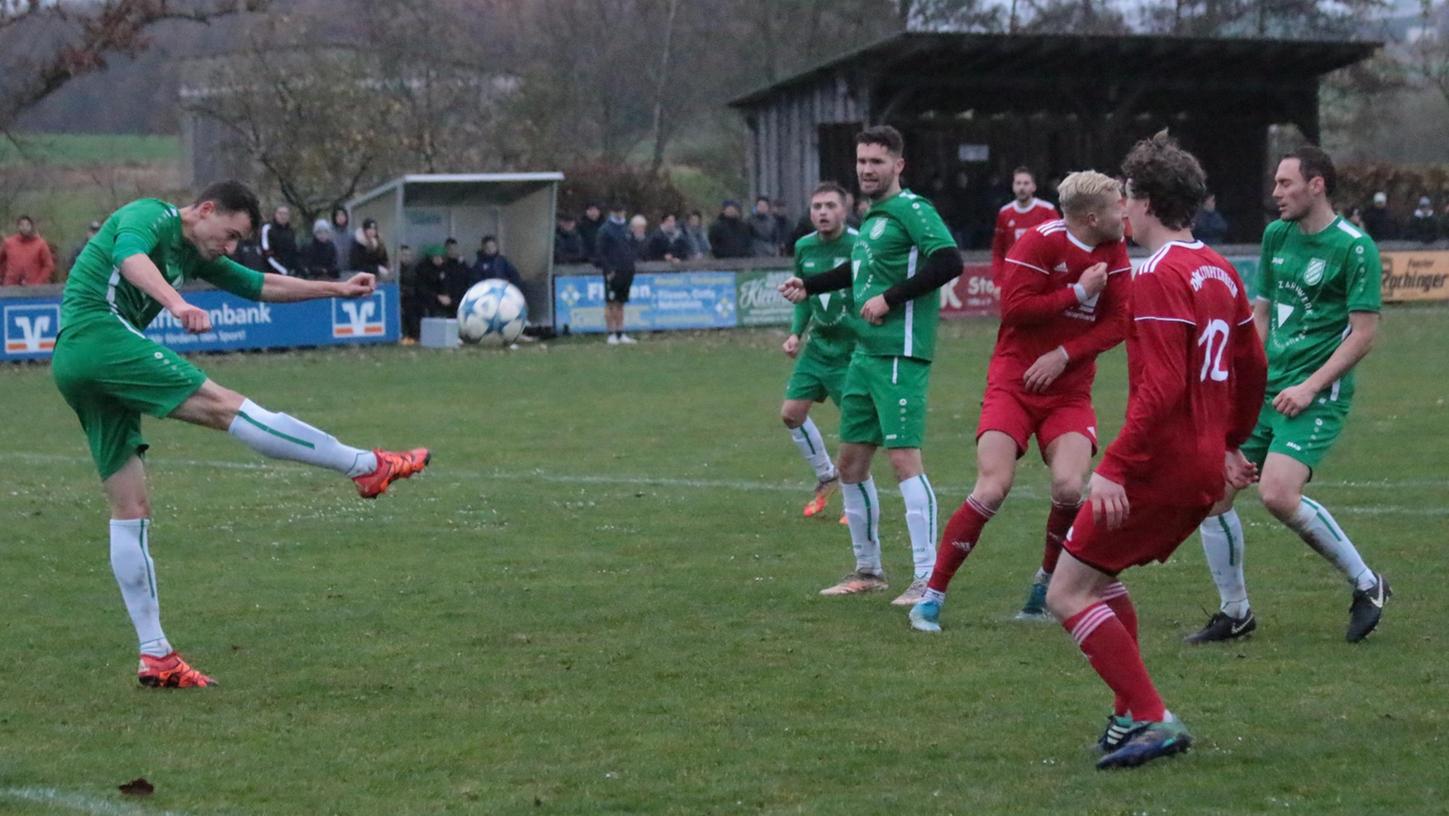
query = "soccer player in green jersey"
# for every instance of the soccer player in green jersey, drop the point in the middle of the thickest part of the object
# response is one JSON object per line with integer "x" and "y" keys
{"x": 110, "y": 374}
{"x": 1318, "y": 312}
{"x": 821, "y": 363}
{"x": 903, "y": 254}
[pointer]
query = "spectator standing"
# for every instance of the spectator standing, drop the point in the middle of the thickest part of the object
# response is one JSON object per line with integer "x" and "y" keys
{"x": 568, "y": 242}
{"x": 279, "y": 243}
{"x": 1378, "y": 220}
{"x": 1209, "y": 226}
{"x": 1355, "y": 217}
{"x": 319, "y": 257}
{"x": 1424, "y": 223}
{"x": 460, "y": 275}
{"x": 489, "y": 263}
{"x": 696, "y": 234}
{"x": 782, "y": 228}
{"x": 729, "y": 235}
{"x": 589, "y": 227}
{"x": 368, "y": 253}
{"x": 616, "y": 258}
{"x": 407, "y": 287}
{"x": 248, "y": 253}
{"x": 25, "y": 257}
{"x": 764, "y": 234}
{"x": 342, "y": 234}
{"x": 91, "y": 230}
{"x": 668, "y": 242}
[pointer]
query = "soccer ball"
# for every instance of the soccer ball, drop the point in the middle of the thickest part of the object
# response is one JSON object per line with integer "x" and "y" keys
{"x": 492, "y": 312}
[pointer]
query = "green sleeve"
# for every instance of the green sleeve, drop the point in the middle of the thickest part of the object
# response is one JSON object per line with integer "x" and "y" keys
{"x": 1365, "y": 277}
{"x": 801, "y": 317}
{"x": 1265, "y": 263}
{"x": 233, "y": 277}
{"x": 928, "y": 232}
{"x": 137, "y": 230}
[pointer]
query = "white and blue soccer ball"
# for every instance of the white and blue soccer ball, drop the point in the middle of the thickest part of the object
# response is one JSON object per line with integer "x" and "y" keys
{"x": 492, "y": 312}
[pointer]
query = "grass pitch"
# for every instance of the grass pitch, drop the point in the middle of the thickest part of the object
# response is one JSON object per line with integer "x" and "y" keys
{"x": 601, "y": 598}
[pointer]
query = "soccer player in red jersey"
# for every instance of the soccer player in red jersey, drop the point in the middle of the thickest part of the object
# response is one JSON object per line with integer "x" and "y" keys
{"x": 1064, "y": 301}
{"x": 1016, "y": 217}
{"x": 1196, "y": 376}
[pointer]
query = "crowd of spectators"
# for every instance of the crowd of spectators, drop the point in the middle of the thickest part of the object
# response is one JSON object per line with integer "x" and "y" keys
{"x": 1424, "y": 225}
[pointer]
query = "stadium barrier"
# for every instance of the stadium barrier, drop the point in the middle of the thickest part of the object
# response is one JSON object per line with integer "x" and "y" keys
{"x": 31, "y": 318}
{"x": 1415, "y": 276}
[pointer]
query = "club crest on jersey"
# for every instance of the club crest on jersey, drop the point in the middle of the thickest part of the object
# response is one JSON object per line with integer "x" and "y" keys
{"x": 363, "y": 317}
{"x": 877, "y": 228}
{"x": 1314, "y": 273}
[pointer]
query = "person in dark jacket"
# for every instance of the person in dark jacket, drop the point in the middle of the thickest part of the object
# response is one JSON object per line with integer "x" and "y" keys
{"x": 1378, "y": 220}
{"x": 729, "y": 235}
{"x": 279, "y": 243}
{"x": 568, "y": 242}
{"x": 668, "y": 242}
{"x": 319, "y": 258}
{"x": 1209, "y": 226}
{"x": 460, "y": 275}
{"x": 434, "y": 287}
{"x": 1424, "y": 223}
{"x": 368, "y": 254}
{"x": 616, "y": 257}
{"x": 407, "y": 279}
{"x": 765, "y": 238}
{"x": 782, "y": 227}
{"x": 697, "y": 235}
{"x": 489, "y": 264}
{"x": 342, "y": 234}
{"x": 589, "y": 227}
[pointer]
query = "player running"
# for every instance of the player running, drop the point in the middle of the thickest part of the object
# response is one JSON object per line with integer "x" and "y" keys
{"x": 1015, "y": 218}
{"x": 820, "y": 366}
{"x": 1195, "y": 379}
{"x": 111, "y": 374}
{"x": 1063, "y": 302}
{"x": 1318, "y": 312}
{"x": 903, "y": 254}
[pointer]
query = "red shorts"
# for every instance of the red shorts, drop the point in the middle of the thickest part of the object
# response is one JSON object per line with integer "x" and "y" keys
{"x": 1019, "y": 415}
{"x": 1151, "y": 533}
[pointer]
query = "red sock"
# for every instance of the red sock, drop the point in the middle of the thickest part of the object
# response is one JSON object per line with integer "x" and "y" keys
{"x": 1113, "y": 654}
{"x": 1059, "y": 521}
{"x": 1116, "y": 597}
{"x": 961, "y": 534}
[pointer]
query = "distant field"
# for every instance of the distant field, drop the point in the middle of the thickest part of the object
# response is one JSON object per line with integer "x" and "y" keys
{"x": 78, "y": 149}
{"x": 601, "y": 599}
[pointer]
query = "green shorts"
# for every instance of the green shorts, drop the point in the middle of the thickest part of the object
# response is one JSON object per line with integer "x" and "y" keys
{"x": 110, "y": 374}
{"x": 1306, "y": 437}
{"x": 884, "y": 401}
{"x": 816, "y": 377}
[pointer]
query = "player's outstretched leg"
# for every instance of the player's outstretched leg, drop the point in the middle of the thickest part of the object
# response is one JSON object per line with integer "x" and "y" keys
{"x": 281, "y": 436}
{"x": 807, "y": 438}
{"x": 1222, "y": 544}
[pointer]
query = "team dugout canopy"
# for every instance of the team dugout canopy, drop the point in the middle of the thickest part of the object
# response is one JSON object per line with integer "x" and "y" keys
{"x": 981, "y": 104}
{"x": 517, "y": 208}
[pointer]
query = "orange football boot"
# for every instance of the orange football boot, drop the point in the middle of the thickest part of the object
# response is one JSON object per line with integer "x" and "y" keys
{"x": 170, "y": 672}
{"x": 823, "y": 490}
{"x": 391, "y": 466}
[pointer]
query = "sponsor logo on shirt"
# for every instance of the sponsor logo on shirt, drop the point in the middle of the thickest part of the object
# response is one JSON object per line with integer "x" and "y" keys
{"x": 359, "y": 318}
{"x": 31, "y": 329}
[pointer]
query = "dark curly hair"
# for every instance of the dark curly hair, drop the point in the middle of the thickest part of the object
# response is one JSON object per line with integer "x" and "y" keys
{"x": 1167, "y": 176}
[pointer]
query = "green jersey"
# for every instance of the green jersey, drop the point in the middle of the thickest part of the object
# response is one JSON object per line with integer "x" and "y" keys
{"x": 96, "y": 289}
{"x": 1311, "y": 283}
{"x": 831, "y": 313}
{"x": 896, "y": 237}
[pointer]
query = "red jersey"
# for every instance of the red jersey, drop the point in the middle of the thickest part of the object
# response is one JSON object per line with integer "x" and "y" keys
{"x": 1043, "y": 308}
{"x": 1196, "y": 375}
{"x": 1012, "y": 222}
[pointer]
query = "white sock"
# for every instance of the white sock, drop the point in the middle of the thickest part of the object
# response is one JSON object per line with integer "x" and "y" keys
{"x": 812, "y": 447}
{"x": 283, "y": 437}
{"x": 921, "y": 523}
{"x": 136, "y": 575}
{"x": 1316, "y": 527}
{"x": 862, "y": 512}
{"x": 1222, "y": 543}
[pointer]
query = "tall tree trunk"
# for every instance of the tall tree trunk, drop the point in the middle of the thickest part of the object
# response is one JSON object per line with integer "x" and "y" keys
{"x": 661, "y": 82}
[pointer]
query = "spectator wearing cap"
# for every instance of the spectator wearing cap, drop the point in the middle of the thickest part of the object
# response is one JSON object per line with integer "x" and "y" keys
{"x": 25, "y": 257}
{"x": 279, "y": 242}
{"x": 488, "y": 263}
{"x": 568, "y": 242}
{"x": 668, "y": 242}
{"x": 1209, "y": 225}
{"x": 1424, "y": 223}
{"x": 1378, "y": 220}
{"x": 729, "y": 235}
{"x": 589, "y": 227}
{"x": 765, "y": 238}
{"x": 369, "y": 253}
{"x": 91, "y": 230}
{"x": 696, "y": 234}
{"x": 319, "y": 256}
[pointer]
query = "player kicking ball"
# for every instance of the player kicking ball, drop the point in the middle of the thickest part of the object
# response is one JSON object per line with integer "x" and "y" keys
{"x": 820, "y": 362}
{"x": 1318, "y": 312}
{"x": 1196, "y": 374}
{"x": 110, "y": 374}
{"x": 1063, "y": 302}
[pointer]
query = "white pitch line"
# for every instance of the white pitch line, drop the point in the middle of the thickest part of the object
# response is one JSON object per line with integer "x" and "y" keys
{"x": 80, "y": 803}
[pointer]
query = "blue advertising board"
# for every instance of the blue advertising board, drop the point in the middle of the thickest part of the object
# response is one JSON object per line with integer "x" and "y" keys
{"x": 32, "y": 324}
{"x": 657, "y": 302}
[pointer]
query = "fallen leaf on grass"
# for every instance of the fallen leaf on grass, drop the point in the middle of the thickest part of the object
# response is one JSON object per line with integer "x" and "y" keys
{"x": 138, "y": 787}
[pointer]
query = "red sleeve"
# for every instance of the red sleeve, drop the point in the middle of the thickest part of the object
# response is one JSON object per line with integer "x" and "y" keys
{"x": 999, "y": 241}
{"x": 1250, "y": 376}
{"x": 1111, "y": 326}
{"x": 1027, "y": 295}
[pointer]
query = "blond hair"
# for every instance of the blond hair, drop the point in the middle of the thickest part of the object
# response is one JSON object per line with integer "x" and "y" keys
{"x": 1088, "y": 191}
{"x": 638, "y": 221}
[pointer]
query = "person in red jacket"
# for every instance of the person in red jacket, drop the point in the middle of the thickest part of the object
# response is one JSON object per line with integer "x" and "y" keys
{"x": 1196, "y": 375}
{"x": 25, "y": 257}
{"x": 1016, "y": 217}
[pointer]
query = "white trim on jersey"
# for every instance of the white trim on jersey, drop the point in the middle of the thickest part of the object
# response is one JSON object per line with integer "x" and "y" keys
{"x": 1247, "y": 321}
{"x": 911, "y": 304}
{"x": 1150, "y": 265}
{"x": 1049, "y": 227}
{"x": 1349, "y": 228}
{"x": 1027, "y": 265}
{"x": 1082, "y": 245}
{"x": 895, "y": 370}
{"x": 1165, "y": 319}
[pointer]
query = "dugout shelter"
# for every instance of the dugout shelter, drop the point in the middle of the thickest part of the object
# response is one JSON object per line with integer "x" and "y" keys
{"x": 974, "y": 106}
{"x": 517, "y": 208}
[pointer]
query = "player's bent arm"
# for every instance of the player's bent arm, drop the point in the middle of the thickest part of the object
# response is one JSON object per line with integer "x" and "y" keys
{"x": 141, "y": 272}
{"x": 1163, "y": 385}
{"x": 837, "y": 278}
{"x": 942, "y": 267}
{"x": 1250, "y": 380}
{"x": 1028, "y": 298}
{"x": 1260, "y": 318}
{"x": 1363, "y": 330}
{"x": 1111, "y": 329}
{"x": 283, "y": 289}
